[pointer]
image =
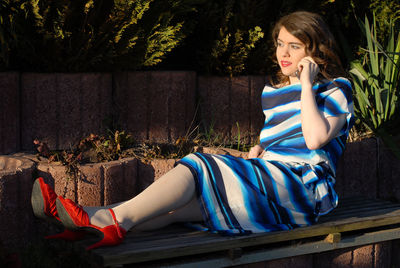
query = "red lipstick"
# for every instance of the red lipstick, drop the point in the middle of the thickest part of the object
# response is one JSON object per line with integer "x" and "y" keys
{"x": 285, "y": 63}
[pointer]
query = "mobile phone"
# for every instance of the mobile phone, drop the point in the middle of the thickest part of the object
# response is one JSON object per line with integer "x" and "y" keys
{"x": 297, "y": 74}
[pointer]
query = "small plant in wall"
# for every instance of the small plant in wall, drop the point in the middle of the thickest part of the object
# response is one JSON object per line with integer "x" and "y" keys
{"x": 91, "y": 149}
{"x": 116, "y": 145}
{"x": 120, "y": 144}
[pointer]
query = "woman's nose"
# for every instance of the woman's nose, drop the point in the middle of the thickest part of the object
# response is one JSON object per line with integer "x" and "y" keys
{"x": 285, "y": 51}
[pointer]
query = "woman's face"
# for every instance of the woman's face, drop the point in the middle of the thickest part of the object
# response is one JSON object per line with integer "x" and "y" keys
{"x": 289, "y": 52}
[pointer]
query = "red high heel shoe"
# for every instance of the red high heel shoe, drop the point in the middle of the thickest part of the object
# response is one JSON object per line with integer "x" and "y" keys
{"x": 75, "y": 218}
{"x": 43, "y": 201}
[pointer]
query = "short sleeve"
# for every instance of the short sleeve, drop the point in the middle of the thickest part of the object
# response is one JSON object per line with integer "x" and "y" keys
{"x": 336, "y": 99}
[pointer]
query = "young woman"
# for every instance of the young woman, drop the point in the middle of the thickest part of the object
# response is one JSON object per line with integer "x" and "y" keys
{"x": 288, "y": 179}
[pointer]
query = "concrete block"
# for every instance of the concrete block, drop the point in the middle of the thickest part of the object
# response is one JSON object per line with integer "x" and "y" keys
{"x": 130, "y": 177}
{"x": 145, "y": 175}
{"x": 158, "y": 110}
{"x": 357, "y": 170}
{"x": 96, "y": 102}
{"x": 215, "y": 99}
{"x": 181, "y": 104}
{"x": 55, "y": 175}
{"x": 39, "y": 113}
{"x": 60, "y": 109}
{"x": 388, "y": 174}
{"x": 256, "y": 84}
{"x": 156, "y": 106}
{"x": 131, "y": 97}
{"x": 98, "y": 184}
{"x": 9, "y": 113}
{"x": 240, "y": 110}
{"x": 119, "y": 180}
{"x": 69, "y": 100}
{"x": 91, "y": 185}
{"x": 342, "y": 258}
{"x": 225, "y": 101}
{"x": 395, "y": 256}
{"x": 16, "y": 215}
{"x": 382, "y": 255}
{"x": 363, "y": 256}
{"x": 151, "y": 170}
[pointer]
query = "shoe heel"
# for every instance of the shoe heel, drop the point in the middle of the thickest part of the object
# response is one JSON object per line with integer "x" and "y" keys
{"x": 74, "y": 217}
{"x": 112, "y": 235}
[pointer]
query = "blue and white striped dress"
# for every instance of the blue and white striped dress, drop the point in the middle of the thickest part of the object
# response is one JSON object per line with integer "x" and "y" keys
{"x": 292, "y": 185}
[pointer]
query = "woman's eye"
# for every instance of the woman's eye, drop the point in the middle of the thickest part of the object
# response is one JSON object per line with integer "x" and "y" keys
{"x": 295, "y": 47}
{"x": 280, "y": 44}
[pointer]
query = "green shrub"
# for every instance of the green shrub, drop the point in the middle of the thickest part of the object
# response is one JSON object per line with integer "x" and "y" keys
{"x": 10, "y": 22}
{"x": 88, "y": 35}
{"x": 223, "y": 37}
{"x": 376, "y": 78}
{"x": 233, "y": 37}
{"x": 387, "y": 12}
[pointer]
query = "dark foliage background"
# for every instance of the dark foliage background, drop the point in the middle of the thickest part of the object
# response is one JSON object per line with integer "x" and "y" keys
{"x": 218, "y": 37}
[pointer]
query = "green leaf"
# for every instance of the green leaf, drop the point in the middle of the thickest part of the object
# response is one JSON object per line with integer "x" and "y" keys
{"x": 376, "y": 79}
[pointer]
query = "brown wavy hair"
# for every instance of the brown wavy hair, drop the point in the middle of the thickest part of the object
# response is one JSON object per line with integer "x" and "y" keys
{"x": 311, "y": 29}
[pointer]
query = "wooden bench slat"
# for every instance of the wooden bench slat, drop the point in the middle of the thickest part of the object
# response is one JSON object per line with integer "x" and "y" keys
{"x": 263, "y": 254}
{"x": 362, "y": 211}
{"x": 135, "y": 252}
{"x": 361, "y": 204}
{"x": 179, "y": 242}
{"x": 359, "y": 200}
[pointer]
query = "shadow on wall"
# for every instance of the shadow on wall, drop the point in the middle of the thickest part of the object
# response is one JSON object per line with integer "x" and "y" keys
{"x": 60, "y": 109}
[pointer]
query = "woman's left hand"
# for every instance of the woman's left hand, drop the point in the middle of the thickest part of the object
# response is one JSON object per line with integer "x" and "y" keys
{"x": 308, "y": 70}
{"x": 256, "y": 152}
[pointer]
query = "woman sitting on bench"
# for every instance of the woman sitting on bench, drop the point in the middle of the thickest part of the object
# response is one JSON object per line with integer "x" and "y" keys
{"x": 288, "y": 180}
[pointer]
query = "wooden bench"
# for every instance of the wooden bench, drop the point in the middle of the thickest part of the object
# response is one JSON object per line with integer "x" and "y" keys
{"x": 356, "y": 222}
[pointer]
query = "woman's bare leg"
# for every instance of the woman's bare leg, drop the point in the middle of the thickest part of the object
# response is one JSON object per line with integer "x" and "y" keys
{"x": 169, "y": 193}
{"x": 190, "y": 212}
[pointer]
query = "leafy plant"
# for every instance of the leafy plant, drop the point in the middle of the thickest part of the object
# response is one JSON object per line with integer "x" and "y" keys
{"x": 208, "y": 136}
{"x": 225, "y": 34}
{"x": 385, "y": 11}
{"x": 376, "y": 80}
{"x": 91, "y": 149}
{"x": 11, "y": 34}
{"x": 90, "y": 35}
{"x": 233, "y": 45}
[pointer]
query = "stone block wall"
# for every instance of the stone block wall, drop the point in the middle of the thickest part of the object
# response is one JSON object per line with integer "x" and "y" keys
{"x": 231, "y": 107}
{"x": 158, "y": 106}
{"x": 155, "y": 106}
{"x": 115, "y": 181}
{"x": 16, "y": 216}
{"x": 61, "y": 109}
{"x": 98, "y": 184}
{"x": 368, "y": 168}
{"x": 9, "y": 113}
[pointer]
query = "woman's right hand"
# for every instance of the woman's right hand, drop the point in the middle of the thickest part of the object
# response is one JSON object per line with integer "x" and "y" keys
{"x": 256, "y": 152}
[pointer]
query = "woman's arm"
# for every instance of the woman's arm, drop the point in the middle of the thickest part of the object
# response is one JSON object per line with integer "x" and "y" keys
{"x": 317, "y": 129}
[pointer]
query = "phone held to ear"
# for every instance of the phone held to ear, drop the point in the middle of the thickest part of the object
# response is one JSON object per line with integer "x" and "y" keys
{"x": 297, "y": 74}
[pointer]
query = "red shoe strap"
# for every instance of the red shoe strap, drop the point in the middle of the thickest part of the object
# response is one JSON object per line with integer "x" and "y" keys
{"x": 116, "y": 223}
